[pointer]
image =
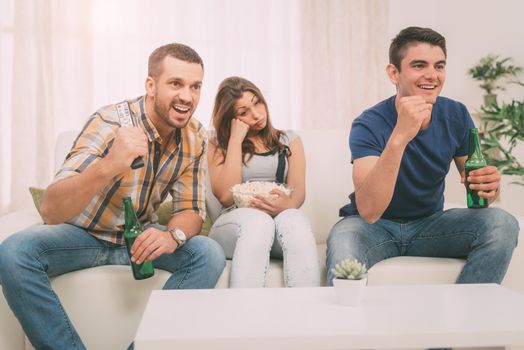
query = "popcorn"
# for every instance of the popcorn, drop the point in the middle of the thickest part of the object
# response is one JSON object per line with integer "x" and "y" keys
{"x": 243, "y": 193}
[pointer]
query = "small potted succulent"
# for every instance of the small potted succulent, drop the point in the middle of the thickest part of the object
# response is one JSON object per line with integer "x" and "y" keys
{"x": 349, "y": 282}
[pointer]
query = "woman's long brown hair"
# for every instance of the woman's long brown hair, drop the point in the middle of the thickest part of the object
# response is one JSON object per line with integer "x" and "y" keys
{"x": 229, "y": 91}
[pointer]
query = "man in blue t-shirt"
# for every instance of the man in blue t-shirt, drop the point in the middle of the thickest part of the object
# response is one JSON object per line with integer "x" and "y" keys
{"x": 401, "y": 151}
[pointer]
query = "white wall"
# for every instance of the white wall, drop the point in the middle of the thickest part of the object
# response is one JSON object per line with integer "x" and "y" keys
{"x": 473, "y": 28}
{"x": 249, "y": 38}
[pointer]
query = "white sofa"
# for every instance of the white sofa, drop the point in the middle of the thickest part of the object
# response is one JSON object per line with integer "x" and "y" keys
{"x": 106, "y": 303}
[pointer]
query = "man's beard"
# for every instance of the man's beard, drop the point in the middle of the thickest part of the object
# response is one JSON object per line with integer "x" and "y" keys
{"x": 163, "y": 112}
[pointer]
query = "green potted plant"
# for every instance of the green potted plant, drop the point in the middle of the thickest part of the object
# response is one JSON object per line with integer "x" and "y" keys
{"x": 490, "y": 70}
{"x": 502, "y": 126}
{"x": 350, "y": 281}
{"x": 503, "y": 131}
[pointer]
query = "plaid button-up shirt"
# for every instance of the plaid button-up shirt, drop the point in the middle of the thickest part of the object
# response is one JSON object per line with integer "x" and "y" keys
{"x": 180, "y": 172}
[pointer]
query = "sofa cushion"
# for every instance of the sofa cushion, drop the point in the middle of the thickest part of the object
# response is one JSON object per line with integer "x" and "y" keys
{"x": 36, "y": 194}
{"x": 164, "y": 214}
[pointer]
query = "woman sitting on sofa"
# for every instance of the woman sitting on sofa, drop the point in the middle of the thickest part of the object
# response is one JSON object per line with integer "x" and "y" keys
{"x": 247, "y": 147}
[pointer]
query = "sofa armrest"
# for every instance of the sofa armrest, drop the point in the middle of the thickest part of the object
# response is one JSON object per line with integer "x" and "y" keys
{"x": 17, "y": 221}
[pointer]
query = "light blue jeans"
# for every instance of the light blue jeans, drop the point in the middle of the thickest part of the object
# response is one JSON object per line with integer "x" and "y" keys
{"x": 247, "y": 236}
{"x": 29, "y": 258}
{"x": 484, "y": 237}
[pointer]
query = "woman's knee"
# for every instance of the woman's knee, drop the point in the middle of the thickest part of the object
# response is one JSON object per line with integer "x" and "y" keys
{"x": 244, "y": 221}
{"x": 292, "y": 218}
{"x": 291, "y": 215}
{"x": 250, "y": 226}
{"x": 250, "y": 216}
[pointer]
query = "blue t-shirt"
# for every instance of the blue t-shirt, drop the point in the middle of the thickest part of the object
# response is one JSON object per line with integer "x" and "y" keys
{"x": 419, "y": 190}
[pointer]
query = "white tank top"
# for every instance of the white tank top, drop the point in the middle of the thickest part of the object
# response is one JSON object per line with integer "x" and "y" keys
{"x": 263, "y": 166}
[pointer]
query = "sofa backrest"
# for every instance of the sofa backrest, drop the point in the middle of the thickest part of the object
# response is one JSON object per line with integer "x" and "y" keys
{"x": 328, "y": 177}
{"x": 64, "y": 142}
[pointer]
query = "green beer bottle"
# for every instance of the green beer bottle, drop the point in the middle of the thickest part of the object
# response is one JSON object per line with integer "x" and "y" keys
{"x": 475, "y": 161}
{"x": 132, "y": 229}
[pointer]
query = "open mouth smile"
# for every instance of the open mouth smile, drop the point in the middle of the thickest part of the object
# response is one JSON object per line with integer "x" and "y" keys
{"x": 427, "y": 86}
{"x": 181, "y": 108}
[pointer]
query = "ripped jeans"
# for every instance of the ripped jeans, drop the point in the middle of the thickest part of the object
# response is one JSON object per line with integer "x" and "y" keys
{"x": 247, "y": 236}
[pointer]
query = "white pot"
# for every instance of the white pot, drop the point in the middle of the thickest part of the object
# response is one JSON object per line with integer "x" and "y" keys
{"x": 349, "y": 292}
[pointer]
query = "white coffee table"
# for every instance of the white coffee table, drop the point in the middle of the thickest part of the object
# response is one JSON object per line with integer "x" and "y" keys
{"x": 399, "y": 317}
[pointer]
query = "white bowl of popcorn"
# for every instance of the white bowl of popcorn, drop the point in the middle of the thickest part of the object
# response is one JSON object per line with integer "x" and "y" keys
{"x": 244, "y": 192}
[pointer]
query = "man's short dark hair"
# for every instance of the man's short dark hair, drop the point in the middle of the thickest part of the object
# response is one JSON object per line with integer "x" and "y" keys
{"x": 410, "y": 36}
{"x": 175, "y": 50}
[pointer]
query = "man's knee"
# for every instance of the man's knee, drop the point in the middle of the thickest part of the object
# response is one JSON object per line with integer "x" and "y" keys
{"x": 337, "y": 232}
{"x": 343, "y": 232}
{"x": 340, "y": 243}
{"x": 500, "y": 227}
{"x": 13, "y": 251}
{"x": 209, "y": 252}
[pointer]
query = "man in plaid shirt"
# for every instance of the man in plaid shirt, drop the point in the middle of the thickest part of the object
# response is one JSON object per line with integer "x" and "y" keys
{"x": 82, "y": 208}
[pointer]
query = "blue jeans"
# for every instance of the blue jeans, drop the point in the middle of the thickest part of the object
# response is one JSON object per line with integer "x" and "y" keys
{"x": 248, "y": 237}
{"x": 29, "y": 258}
{"x": 484, "y": 237}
